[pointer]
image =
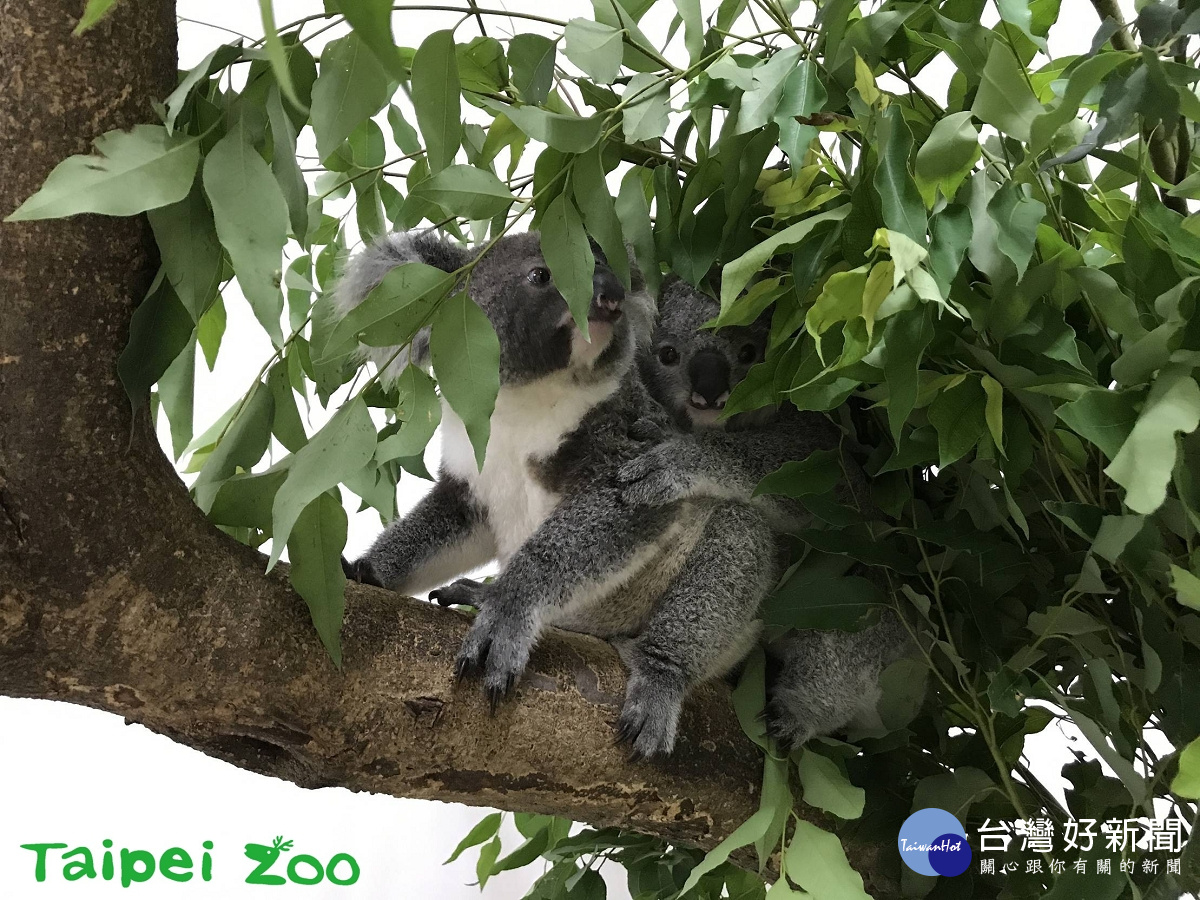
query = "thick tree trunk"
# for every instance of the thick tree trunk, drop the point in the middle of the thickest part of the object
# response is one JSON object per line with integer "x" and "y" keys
{"x": 115, "y": 593}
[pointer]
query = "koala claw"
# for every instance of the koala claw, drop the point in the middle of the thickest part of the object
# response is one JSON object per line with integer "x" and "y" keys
{"x": 497, "y": 693}
{"x": 464, "y": 592}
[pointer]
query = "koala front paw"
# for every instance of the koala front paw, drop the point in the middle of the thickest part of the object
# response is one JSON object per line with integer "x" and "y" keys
{"x": 650, "y": 480}
{"x": 647, "y": 430}
{"x": 464, "y": 592}
{"x": 496, "y": 647}
{"x": 361, "y": 571}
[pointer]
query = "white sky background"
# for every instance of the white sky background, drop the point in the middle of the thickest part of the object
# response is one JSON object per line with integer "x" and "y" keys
{"x": 78, "y": 776}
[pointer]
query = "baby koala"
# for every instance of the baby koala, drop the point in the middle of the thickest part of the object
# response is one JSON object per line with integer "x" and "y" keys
{"x": 820, "y": 681}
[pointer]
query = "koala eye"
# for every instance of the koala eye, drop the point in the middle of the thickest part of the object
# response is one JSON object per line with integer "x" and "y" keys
{"x": 747, "y": 354}
{"x": 538, "y": 275}
{"x": 668, "y": 355}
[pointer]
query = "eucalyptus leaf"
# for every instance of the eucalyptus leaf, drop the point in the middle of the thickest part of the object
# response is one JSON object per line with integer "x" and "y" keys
{"x": 129, "y": 172}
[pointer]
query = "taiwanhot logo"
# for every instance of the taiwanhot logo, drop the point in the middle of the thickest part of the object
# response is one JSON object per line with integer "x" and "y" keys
{"x": 933, "y": 842}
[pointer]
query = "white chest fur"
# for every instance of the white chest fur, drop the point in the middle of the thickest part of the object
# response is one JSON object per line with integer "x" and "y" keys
{"x": 530, "y": 422}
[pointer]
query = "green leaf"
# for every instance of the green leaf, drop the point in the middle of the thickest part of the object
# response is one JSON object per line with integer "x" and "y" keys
{"x": 487, "y": 856}
{"x": 210, "y": 330}
{"x": 1017, "y": 216}
{"x": 1101, "y": 416}
{"x": 1144, "y": 463}
{"x": 994, "y": 410}
{"x": 568, "y": 133}
{"x": 1017, "y": 12}
{"x": 372, "y": 21}
{"x": 531, "y": 57}
{"x": 649, "y": 107}
{"x": 817, "y": 862}
{"x": 93, "y": 13}
{"x": 1187, "y": 781}
{"x": 1084, "y": 77}
{"x": 129, "y": 173}
{"x": 1005, "y": 100}
{"x": 484, "y": 830}
{"x": 191, "y": 253}
{"x": 813, "y": 600}
{"x": 343, "y": 446}
{"x": 746, "y": 833}
{"x": 247, "y": 433}
{"x": 693, "y": 28}
{"x": 530, "y": 850}
{"x": 827, "y": 787}
{"x": 947, "y": 156}
{"x": 285, "y": 168}
{"x": 219, "y": 59}
{"x": 960, "y": 417}
{"x": 595, "y": 48}
{"x": 176, "y": 394}
{"x": 286, "y": 426}
{"x": 760, "y": 102}
{"x": 818, "y": 473}
{"x": 569, "y": 256}
{"x": 252, "y": 222}
{"x": 904, "y": 339}
{"x": 737, "y": 274}
{"x": 277, "y": 53}
{"x": 595, "y": 204}
{"x": 466, "y": 191}
{"x": 1186, "y": 586}
{"x": 903, "y": 209}
{"x": 633, "y": 211}
{"x": 466, "y": 360}
{"x": 435, "y": 96}
{"x": 315, "y": 547}
{"x": 351, "y": 87}
{"x": 160, "y": 330}
{"x": 420, "y": 412}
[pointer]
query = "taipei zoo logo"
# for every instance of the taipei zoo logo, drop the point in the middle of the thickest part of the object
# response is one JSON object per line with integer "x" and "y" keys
{"x": 134, "y": 866}
{"x": 933, "y": 842}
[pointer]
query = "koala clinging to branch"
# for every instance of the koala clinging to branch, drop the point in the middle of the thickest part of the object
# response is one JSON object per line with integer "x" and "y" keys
{"x": 547, "y": 505}
{"x": 565, "y": 409}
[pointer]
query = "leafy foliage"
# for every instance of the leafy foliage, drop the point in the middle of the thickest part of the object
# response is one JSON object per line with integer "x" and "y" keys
{"x": 994, "y": 290}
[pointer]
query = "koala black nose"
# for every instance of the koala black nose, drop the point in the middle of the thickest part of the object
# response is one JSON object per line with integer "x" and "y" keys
{"x": 708, "y": 372}
{"x": 607, "y": 295}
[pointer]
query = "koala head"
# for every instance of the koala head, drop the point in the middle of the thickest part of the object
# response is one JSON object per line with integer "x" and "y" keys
{"x": 513, "y": 285}
{"x": 690, "y": 370}
{"x": 538, "y": 337}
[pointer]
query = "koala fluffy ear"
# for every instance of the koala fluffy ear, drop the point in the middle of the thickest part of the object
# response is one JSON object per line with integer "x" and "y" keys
{"x": 366, "y": 270}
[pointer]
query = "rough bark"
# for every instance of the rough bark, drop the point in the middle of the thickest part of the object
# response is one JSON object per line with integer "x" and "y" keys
{"x": 115, "y": 592}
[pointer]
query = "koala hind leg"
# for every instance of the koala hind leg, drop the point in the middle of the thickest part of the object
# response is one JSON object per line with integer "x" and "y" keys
{"x": 577, "y": 551}
{"x": 828, "y": 679}
{"x": 703, "y": 625}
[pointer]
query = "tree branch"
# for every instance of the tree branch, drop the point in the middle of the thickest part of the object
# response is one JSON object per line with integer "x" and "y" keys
{"x": 116, "y": 593}
{"x": 1161, "y": 142}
